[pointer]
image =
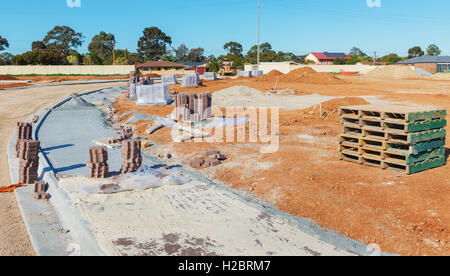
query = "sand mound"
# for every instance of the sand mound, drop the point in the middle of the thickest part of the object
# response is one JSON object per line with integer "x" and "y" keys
{"x": 330, "y": 109}
{"x": 7, "y": 77}
{"x": 271, "y": 76}
{"x": 309, "y": 75}
{"x": 392, "y": 72}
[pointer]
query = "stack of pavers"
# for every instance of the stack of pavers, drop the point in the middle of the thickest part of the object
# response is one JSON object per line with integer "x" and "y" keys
{"x": 126, "y": 133}
{"x": 192, "y": 107}
{"x": 28, "y": 161}
{"x": 98, "y": 162}
{"x": 131, "y": 155}
{"x": 24, "y": 132}
{"x": 132, "y": 85}
{"x": 410, "y": 139}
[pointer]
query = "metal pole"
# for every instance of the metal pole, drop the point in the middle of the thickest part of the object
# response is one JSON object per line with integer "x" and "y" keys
{"x": 259, "y": 20}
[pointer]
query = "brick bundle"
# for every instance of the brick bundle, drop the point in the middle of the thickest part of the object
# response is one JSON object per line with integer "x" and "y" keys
{"x": 131, "y": 155}
{"x": 98, "y": 162}
{"x": 193, "y": 107}
{"x": 24, "y": 132}
{"x": 125, "y": 134}
{"x": 28, "y": 151}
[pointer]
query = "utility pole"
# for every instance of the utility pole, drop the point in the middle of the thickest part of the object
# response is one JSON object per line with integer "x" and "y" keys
{"x": 375, "y": 58}
{"x": 259, "y": 21}
{"x": 114, "y": 52}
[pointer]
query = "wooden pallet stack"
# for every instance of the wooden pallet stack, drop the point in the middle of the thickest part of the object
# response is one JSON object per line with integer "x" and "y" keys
{"x": 410, "y": 139}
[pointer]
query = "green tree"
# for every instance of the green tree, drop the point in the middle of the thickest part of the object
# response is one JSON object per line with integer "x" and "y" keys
{"x": 5, "y": 58}
{"x": 181, "y": 53}
{"x": 153, "y": 44}
{"x": 213, "y": 64}
{"x": 234, "y": 49}
{"x": 390, "y": 59}
{"x": 63, "y": 39}
{"x": 415, "y": 52}
{"x": 357, "y": 52}
{"x": 92, "y": 59}
{"x": 49, "y": 57}
{"x": 196, "y": 55}
{"x": 433, "y": 50}
{"x": 3, "y": 43}
{"x": 37, "y": 45}
{"x": 103, "y": 45}
{"x": 18, "y": 60}
{"x": 266, "y": 54}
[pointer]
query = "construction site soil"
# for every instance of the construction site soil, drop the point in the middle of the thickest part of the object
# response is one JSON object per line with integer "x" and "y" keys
{"x": 407, "y": 215}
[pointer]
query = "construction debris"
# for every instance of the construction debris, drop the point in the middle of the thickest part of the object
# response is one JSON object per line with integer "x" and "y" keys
{"x": 126, "y": 133}
{"x": 197, "y": 162}
{"x": 393, "y": 137}
{"x": 40, "y": 189}
{"x": 212, "y": 162}
{"x": 35, "y": 119}
{"x": 193, "y": 107}
{"x": 98, "y": 166}
{"x": 131, "y": 154}
{"x": 28, "y": 161}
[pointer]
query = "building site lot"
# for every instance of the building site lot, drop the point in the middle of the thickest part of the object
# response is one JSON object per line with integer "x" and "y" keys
{"x": 403, "y": 212}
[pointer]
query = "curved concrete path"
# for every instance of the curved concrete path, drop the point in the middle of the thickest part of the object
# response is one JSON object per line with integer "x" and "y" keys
{"x": 198, "y": 218}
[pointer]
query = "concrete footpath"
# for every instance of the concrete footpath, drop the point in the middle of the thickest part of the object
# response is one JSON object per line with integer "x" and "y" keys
{"x": 198, "y": 217}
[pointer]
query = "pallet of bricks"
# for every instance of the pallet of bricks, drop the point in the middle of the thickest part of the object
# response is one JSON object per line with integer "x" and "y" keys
{"x": 410, "y": 139}
{"x": 191, "y": 108}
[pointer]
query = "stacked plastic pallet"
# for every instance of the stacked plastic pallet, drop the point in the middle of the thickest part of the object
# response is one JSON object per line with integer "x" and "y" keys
{"x": 98, "y": 166}
{"x": 131, "y": 155}
{"x": 410, "y": 139}
{"x": 29, "y": 161}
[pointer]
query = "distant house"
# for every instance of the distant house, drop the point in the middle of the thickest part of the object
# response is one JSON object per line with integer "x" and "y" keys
{"x": 430, "y": 64}
{"x": 198, "y": 67}
{"x": 159, "y": 67}
{"x": 325, "y": 57}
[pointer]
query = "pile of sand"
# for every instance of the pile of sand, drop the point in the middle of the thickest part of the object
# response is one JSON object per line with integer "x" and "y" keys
{"x": 330, "y": 109}
{"x": 392, "y": 72}
{"x": 272, "y": 75}
{"x": 309, "y": 75}
{"x": 7, "y": 77}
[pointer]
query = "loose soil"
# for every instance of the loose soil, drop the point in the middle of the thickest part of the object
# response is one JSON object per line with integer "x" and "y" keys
{"x": 407, "y": 215}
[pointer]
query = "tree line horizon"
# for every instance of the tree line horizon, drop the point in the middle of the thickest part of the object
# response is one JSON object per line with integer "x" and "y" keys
{"x": 59, "y": 45}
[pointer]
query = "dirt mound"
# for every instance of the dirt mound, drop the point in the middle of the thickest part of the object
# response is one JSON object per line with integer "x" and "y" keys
{"x": 330, "y": 109}
{"x": 7, "y": 77}
{"x": 309, "y": 75}
{"x": 392, "y": 72}
{"x": 271, "y": 76}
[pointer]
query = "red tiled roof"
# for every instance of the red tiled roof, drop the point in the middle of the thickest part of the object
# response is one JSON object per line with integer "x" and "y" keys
{"x": 322, "y": 56}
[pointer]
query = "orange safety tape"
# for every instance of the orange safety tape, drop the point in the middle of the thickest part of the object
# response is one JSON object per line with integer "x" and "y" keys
{"x": 11, "y": 188}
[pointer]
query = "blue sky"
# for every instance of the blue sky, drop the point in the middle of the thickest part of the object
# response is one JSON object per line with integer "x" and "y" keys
{"x": 298, "y": 26}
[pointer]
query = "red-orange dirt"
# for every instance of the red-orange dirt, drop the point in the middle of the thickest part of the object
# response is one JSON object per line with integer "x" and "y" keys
{"x": 408, "y": 215}
{"x": 7, "y": 77}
